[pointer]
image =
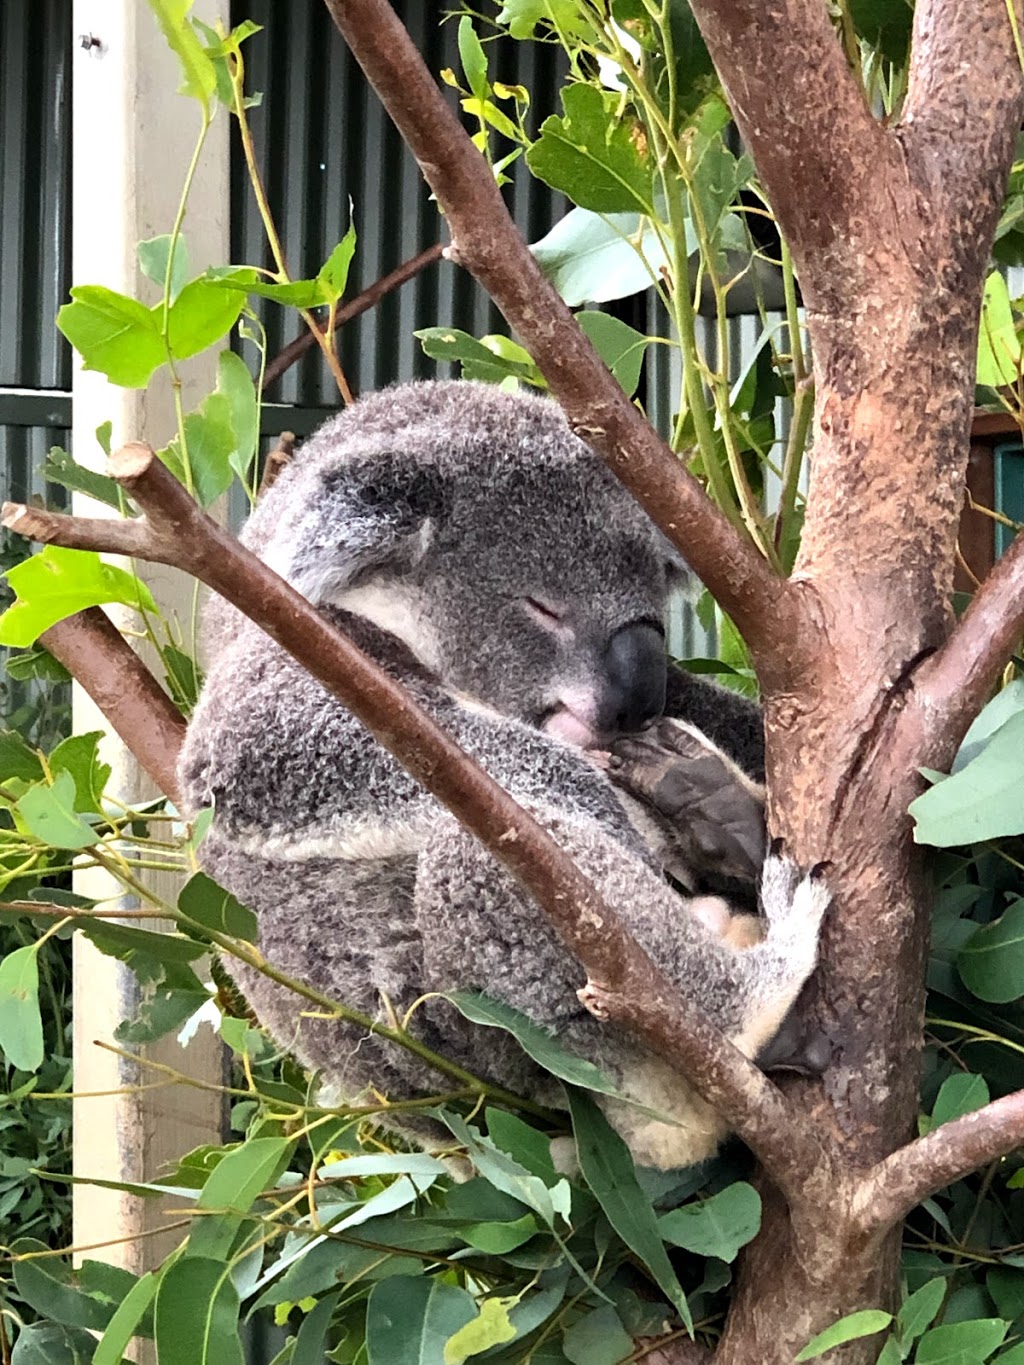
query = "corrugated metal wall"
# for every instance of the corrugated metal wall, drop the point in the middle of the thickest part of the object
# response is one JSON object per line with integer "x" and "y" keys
{"x": 322, "y": 138}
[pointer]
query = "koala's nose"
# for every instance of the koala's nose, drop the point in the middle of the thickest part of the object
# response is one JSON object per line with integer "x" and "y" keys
{"x": 634, "y": 680}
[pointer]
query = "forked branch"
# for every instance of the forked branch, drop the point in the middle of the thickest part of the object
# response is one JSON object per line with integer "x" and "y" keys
{"x": 903, "y": 1180}
{"x": 488, "y": 244}
{"x": 629, "y": 987}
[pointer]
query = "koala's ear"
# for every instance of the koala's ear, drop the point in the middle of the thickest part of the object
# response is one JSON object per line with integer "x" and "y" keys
{"x": 679, "y": 577}
{"x": 370, "y": 519}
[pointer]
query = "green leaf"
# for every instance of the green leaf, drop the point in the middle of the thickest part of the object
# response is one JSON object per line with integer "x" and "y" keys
{"x": 598, "y": 1338}
{"x": 1005, "y": 1285}
{"x": 991, "y": 962}
{"x": 48, "y": 1343}
{"x": 382, "y": 1163}
{"x": 608, "y": 1169}
{"x": 523, "y": 1143}
{"x": 890, "y": 1353}
{"x": 48, "y": 812}
{"x": 1015, "y": 1356}
{"x": 211, "y": 442}
{"x": 311, "y": 1338}
{"x": 214, "y": 908}
{"x": 718, "y": 1226}
{"x": 992, "y": 717}
{"x": 196, "y": 1315}
{"x": 497, "y": 1239}
{"x": 114, "y": 334}
{"x": 333, "y": 274}
{"x": 294, "y": 294}
{"x": 563, "y": 16}
{"x": 61, "y": 469}
{"x": 478, "y": 361}
{"x": 79, "y": 756}
{"x": 961, "y": 1343}
{"x": 57, "y": 583}
{"x": 198, "y": 70}
{"x": 21, "y": 1027}
{"x": 620, "y": 346}
{"x": 234, "y": 382}
{"x": 201, "y": 314}
{"x": 507, "y": 1175}
{"x": 920, "y": 1310}
{"x": 36, "y": 665}
{"x": 473, "y": 58}
{"x": 48, "y": 1285}
{"x": 885, "y": 25}
{"x": 535, "y": 1042}
{"x": 593, "y": 155}
{"x": 412, "y": 1320}
{"x": 125, "y": 1322}
{"x": 183, "y": 677}
{"x": 17, "y": 759}
{"x": 153, "y": 262}
{"x": 148, "y": 954}
{"x": 851, "y": 1328}
{"x": 999, "y": 353}
{"x": 591, "y": 257}
{"x": 982, "y": 800}
{"x": 491, "y": 1327}
{"x": 235, "y": 1183}
{"x": 961, "y": 1094}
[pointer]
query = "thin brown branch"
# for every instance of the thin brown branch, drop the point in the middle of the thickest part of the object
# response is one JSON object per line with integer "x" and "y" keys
{"x": 674, "y": 1350}
{"x": 951, "y": 687}
{"x": 280, "y": 456}
{"x": 488, "y": 244}
{"x": 959, "y": 132}
{"x": 362, "y": 303}
{"x": 93, "y": 650}
{"x": 898, "y": 1184}
{"x": 783, "y": 67}
{"x": 625, "y": 984}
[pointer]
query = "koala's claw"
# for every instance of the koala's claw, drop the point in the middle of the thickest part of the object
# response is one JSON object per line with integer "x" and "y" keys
{"x": 794, "y": 901}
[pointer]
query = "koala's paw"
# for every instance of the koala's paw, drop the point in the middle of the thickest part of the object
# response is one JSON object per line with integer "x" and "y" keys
{"x": 793, "y": 901}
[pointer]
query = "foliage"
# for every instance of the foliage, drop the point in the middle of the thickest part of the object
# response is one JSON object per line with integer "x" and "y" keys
{"x": 313, "y": 1215}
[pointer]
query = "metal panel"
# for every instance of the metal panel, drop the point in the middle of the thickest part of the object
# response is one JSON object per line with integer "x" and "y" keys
{"x": 35, "y": 150}
{"x": 322, "y": 138}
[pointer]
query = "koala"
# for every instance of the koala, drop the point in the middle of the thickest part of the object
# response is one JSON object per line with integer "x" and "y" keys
{"x": 487, "y": 559}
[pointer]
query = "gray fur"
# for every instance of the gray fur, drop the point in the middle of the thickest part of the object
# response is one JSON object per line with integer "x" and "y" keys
{"x": 446, "y": 512}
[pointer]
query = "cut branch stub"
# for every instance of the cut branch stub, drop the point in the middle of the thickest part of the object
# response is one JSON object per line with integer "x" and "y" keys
{"x": 175, "y": 530}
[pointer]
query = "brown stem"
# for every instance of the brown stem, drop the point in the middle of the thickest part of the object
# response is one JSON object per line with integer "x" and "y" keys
{"x": 93, "y": 650}
{"x": 362, "y": 303}
{"x": 487, "y": 242}
{"x": 894, "y": 1186}
{"x": 278, "y": 458}
{"x": 953, "y": 685}
{"x": 623, "y": 982}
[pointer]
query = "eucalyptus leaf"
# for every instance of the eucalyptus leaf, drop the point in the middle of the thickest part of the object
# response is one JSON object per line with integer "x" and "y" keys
{"x": 999, "y": 351}
{"x": 982, "y": 800}
{"x": 79, "y": 756}
{"x": 412, "y": 1320}
{"x": 114, "y": 334}
{"x": 214, "y": 908}
{"x": 61, "y": 469}
{"x": 594, "y": 155}
{"x": 620, "y": 346}
{"x": 961, "y": 1343}
{"x": 850, "y": 1328}
{"x": 48, "y": 1343}
{"x": 717, "y": 1226}
{"x": 196, "y": 1315}
{"x": 235, "y": 1183}
{"x": 200, "y": 76}
{"x": 490, "y": 1327}
{"x": 991, "y": 962}
{"x": 153, "y": 257}
{"x": 593, "y": 258}
{"x": 920, "y": 1309}
{"x": 608, "y": 1170}
{"x": 962, "y": 1093}
{"x": 49, "y": 813}
{"x": 57, "y": 583}
{"x": 597, "y": 1338}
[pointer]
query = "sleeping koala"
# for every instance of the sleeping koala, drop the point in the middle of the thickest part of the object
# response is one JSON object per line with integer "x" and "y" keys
{"x": 487, "y": 559}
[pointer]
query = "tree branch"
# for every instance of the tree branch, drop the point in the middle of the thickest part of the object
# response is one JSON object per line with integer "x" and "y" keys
{"x": 362, "y": 303}
{"x": 782, "y": 65}
{"x": 951, "y": 687}
{"x": 625, "y": 984}
{"x": 959, "y": 133}
{"x": 488, "y": 244}
{"x": 97, "y": 655}
{"x": 898, "y": 1184}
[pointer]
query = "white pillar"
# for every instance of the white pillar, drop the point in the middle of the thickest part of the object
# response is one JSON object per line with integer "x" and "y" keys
{"x": 133, "y": 137}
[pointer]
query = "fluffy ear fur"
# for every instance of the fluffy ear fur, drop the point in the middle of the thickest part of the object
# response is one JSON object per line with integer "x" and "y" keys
{"x": 373, "y": 519}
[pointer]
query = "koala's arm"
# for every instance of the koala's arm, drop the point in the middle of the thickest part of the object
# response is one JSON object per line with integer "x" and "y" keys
{"x": 480, "y": 932}
{"x": 733, "y": 722}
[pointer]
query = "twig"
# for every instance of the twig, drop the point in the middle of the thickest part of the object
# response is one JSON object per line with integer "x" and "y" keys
{"x": 630, "y": 989}
{"x": 898, "y": 1184}
{"x": 280, "y": 456}
{"x": 362, "y": 303}
{"x": 91, "y": 648}
{"x": 953, "y": 685}
{"x": 487, "y": 242}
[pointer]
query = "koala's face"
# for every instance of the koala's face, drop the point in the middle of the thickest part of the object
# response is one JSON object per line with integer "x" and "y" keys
{"x": 471, "y": 524}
